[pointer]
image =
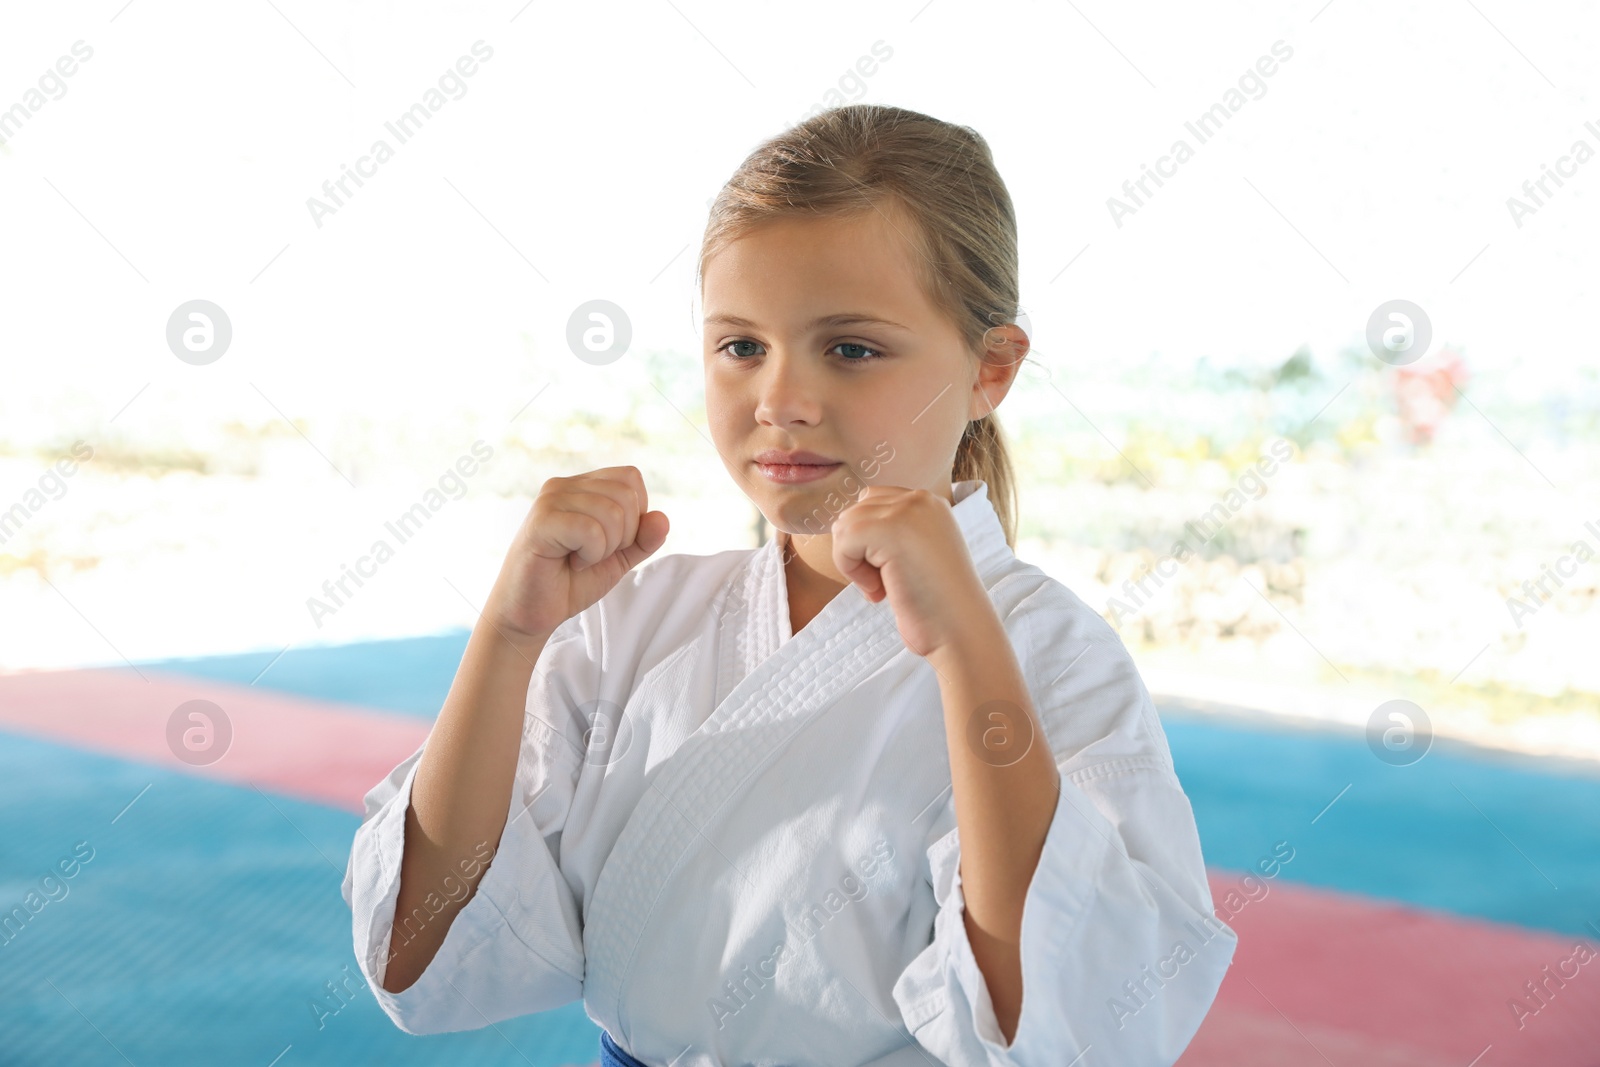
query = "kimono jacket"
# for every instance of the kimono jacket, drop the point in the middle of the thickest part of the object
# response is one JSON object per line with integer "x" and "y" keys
{"x": 738, "y": 845}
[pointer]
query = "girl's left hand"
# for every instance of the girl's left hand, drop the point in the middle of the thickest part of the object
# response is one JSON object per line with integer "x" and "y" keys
{"x": 906, "y": 544}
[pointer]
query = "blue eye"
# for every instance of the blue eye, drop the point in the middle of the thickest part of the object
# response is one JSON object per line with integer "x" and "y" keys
{"x": 741, "y": 358}
{"x": 858, "y": 359}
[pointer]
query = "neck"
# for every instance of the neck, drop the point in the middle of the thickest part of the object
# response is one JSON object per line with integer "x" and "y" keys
{"x": 809, "y": 577}
{"x": 808, "y": 560}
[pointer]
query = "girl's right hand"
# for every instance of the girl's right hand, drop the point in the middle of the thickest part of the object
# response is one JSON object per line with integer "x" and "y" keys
{"x": 580, "y": 537}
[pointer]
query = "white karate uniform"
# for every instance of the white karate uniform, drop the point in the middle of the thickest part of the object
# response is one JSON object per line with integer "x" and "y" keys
{"x": 757, "y": 862}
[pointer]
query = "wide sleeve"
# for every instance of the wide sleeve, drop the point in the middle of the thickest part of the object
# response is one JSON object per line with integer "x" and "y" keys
{"x": 1121, "y": 951}
{"x": 516, "y": 947}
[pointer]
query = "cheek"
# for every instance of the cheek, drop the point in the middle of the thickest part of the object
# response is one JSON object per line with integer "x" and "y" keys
{"x": 910, "y": 410}
{"x": 729, "y": 412}
{"x": 721, "y": 395}
{"x": 923, "y": 431}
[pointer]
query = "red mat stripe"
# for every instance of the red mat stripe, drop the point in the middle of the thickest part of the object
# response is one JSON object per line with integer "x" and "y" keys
{"x": 1370, "y": 981}
{"x": 315, "y": 750}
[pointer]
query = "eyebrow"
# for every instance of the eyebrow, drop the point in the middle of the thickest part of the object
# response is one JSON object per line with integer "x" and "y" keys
{"x": 847, "y": 318}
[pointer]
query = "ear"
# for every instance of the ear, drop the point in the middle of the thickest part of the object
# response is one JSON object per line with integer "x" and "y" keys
{"x": 1005, "y": 347}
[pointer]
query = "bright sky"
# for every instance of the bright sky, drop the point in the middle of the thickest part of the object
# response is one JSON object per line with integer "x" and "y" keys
{"x": 1374, "y": 163}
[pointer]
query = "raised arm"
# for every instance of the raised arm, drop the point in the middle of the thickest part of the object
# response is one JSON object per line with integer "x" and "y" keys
{"x": 580, "y": 537}
{"x": 460, "y": 794}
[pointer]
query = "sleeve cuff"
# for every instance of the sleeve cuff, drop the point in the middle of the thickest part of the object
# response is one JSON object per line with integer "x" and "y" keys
{"x": 1058, "y": 897}
{"x": 490, "y": 966}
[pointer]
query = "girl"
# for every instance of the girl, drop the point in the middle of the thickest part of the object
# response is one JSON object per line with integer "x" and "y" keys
{"x": 876, "y": 792}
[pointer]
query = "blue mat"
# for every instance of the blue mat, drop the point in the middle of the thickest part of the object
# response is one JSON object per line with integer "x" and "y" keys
{"x": 209, "y": 922}
{"x": 1460, "y": 830}
{"x": 203, "y": 931}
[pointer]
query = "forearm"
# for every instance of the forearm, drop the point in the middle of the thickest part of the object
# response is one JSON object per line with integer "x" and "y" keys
{"x": 461, "y": 792}
{"x": 1005, "y": 786}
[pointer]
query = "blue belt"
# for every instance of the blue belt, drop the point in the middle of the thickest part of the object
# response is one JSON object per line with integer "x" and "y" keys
{"x": 612, "y": 1056}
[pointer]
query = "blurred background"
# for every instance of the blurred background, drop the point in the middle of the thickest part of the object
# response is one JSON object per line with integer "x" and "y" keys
{"x": 222, "y": 379}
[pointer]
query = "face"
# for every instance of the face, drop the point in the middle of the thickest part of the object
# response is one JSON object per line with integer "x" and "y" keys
{"x": 819, "y": 339}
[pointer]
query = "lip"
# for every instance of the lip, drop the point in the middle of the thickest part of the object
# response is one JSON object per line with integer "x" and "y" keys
{"x": 790, "y": 468}
{"x": 801, "y": 458}
{"x": 791, "y": 473}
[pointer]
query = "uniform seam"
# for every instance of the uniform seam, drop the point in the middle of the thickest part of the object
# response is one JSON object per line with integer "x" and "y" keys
{"x": 512, "y": 928}
{"x": 1120, "y": 765}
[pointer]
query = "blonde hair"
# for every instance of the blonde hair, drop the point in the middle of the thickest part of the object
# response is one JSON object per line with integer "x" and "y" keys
{"x": 861, "y": 156}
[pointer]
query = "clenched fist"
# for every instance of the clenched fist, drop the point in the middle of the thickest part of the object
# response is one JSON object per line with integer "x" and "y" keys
{"x": 580, "y": 537}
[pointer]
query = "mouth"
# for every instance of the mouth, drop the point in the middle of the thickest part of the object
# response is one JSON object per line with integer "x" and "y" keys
{"x": 792, "y": 472}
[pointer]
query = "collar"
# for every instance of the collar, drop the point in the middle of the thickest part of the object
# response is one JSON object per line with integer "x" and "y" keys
{"x": 980, "y": 524}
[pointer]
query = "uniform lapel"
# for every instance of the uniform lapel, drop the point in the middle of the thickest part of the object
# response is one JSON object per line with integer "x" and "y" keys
{"x": 752, "y": 614}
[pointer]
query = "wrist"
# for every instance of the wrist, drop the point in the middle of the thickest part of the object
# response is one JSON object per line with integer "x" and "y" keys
{"x": 505, "y": 612}
{"x": 976, "y": 638}
{"x": 498, "y": 623}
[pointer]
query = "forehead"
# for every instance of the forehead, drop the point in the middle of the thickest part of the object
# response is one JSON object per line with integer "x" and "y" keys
{"x": 792, "y": 269}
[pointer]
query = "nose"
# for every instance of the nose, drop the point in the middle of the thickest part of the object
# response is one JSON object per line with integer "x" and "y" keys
{"x": 788, "y": 391}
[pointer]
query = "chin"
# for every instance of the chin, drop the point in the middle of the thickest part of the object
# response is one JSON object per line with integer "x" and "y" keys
{"x": 807, "y": 517}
